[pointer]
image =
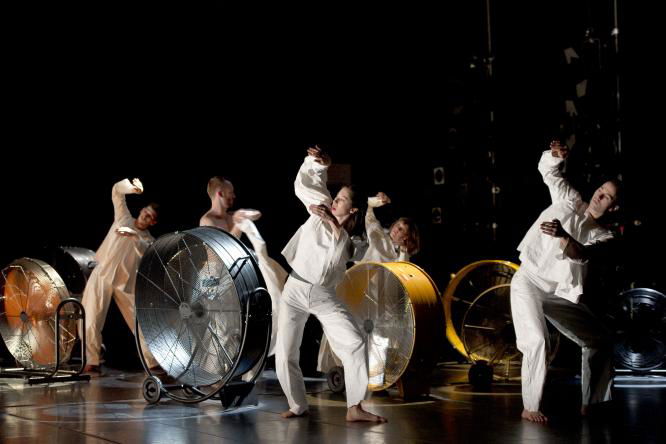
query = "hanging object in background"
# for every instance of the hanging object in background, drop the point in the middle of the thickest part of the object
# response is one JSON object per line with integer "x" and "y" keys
{"x": 436, "y": 215}
{"x": 438, "y": 176}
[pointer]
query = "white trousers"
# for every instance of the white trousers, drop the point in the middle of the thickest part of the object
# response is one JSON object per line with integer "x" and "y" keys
{"x": 532, "y": 301}
{"x": 96, "y": 299}
{"x": 298, "y": 300}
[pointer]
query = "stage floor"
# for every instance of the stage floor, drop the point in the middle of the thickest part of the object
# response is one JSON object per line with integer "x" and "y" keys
{"x": 111, "y": 409}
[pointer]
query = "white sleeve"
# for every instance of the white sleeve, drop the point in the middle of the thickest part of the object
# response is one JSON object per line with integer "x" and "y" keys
{"x": 310, "y": 184}
{"x": 558, "y": 186}
{"x": 120, "y": 189}
{"x": 373, "y": 229}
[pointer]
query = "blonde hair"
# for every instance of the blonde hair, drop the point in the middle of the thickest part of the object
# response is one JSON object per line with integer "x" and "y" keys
{"x": 215, "y": 184}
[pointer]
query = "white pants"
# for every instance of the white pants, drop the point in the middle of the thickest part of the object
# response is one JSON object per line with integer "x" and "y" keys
{"x": 299, "y": 299}
{"x": 96, "y": 299}
{"x": 532, "y": 301}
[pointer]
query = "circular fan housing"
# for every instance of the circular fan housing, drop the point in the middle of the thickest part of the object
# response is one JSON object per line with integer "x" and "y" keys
{"x": 200, "y": 306}
{"x": 640, "y": 326}
{"x": 74, "y": 265}
{"x": 30, "y": 293}
{"x": 479, "y": 325}
{"x": 388, "y": 301}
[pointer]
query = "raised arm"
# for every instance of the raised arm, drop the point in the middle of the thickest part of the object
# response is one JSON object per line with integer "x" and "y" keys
{"x": 310, "y": 183}
{"x": 373, "y": 228}
{"x": 118, "y": 193}
{"x": 549, "y": 167}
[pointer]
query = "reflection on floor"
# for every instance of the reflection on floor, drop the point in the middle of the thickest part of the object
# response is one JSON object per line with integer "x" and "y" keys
{"x": 112, "y": 409}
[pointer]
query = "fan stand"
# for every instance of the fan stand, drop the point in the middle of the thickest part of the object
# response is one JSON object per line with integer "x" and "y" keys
{"x": 233, "y": 394}
{"x": 47, "y": 376}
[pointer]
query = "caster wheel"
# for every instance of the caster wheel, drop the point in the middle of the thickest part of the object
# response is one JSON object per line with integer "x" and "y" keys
{"x": 480, "y": 375}
{"x": 152, "y": 390}
{"x": 336, "y": 380}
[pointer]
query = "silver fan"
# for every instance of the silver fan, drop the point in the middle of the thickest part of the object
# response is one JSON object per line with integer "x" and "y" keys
{"x": 203, "y": 311}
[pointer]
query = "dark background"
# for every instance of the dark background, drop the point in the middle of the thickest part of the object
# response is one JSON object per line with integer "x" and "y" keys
{"x": 176, "y": 96}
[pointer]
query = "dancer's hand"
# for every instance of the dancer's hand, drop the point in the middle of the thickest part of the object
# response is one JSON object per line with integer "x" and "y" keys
{"x": 553, "y": 228}
{"x": 242, "y": 214}
{"x": 379, "y": 200}
{"x": 125, "y": 232}
{"x": 138, "y": 186}
{"x": 320, "y": 155}
{"x": 324, "y": 212}
{"x": 559, "y": 150}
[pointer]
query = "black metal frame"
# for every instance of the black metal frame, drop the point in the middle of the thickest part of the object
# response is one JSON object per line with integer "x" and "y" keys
{"x": 232, "y": 392}
{"x": 56, "y": 374}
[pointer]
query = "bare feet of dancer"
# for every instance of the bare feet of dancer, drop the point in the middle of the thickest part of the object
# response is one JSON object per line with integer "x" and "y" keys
{"x": 356, "y": 413}
{"x": 289, "y": 414}
{"x": 537, "y": 417}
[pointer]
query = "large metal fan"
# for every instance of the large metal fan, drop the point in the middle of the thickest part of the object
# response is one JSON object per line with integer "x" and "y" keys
{"x": 640, "y": 327}
{"x": 203, "y": 311}
{"x": 477, "y": 306}
{"x": 74, "y": 265}
{"x": 31, "y": 294}
{"x": 389, "y": 301}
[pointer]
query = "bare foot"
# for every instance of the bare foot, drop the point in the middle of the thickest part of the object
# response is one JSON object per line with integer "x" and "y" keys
{"x": 537, "y": 416}
{"x": 356, "y": 413}
{"x": 289, "y": 414}
{"x": 92, "y": 370}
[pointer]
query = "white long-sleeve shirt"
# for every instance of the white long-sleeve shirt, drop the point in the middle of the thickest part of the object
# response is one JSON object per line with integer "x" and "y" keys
{"x": 542, "y": 254}
{"x": 118, "y": 257}
{"x": 380, "y": 246}
{"x": 315, "y": 253}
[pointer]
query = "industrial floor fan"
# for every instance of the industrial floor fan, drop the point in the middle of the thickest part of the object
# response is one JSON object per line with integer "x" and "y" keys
{"x": 38, "y": 322}
{"x": 205, "y": 315}
{"x": 397, "y": 306}
{"x": 639, "y": 321}
{"x": 479, "y": 325}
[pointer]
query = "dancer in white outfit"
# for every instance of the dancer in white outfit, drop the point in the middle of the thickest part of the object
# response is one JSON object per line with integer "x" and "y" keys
{"x": 317, "y": 254}
{"x": 221, "y": 193}
{"x": 399, "y": 243}
{"x": 549, "y": 284}
{"x": 115, "y": 274}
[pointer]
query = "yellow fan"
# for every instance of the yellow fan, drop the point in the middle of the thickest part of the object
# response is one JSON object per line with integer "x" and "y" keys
{"x": 479, "y": 325}
{"x": 397, "y": 307}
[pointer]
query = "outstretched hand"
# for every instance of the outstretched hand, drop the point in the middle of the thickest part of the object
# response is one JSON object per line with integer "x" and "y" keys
{"x": 125, "y": 232}
{"x": 379, "y": 200}
{"x": 240, "y": 215}
{"x": 320, "y": 155}
{"x": 138, "y": 186}
{"x": 553, "y": 228}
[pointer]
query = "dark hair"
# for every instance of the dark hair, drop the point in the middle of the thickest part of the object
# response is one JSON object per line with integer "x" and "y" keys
{"x": 351, "y": 224}
{"x": 155, "y": 206}
{"x": 413, "y": 237}
{"x": 619, "y": 190}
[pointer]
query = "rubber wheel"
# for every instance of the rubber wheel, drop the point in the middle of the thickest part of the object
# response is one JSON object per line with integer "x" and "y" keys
{"x": 480, "y": 375}
{"x": 336, "y": 380}
{"x": 152, "y": 390}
